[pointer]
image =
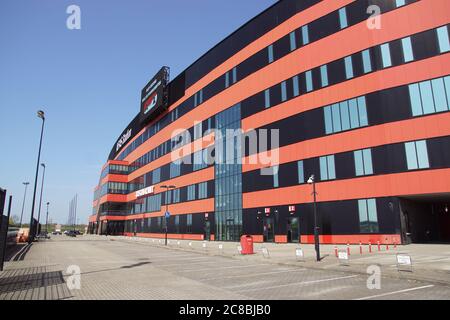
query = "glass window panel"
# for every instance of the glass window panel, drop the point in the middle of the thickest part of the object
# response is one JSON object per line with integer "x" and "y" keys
{"x": 411, "y": 158}
{"x": 331, "y": 167}
{"x": 305, "y": 35}
{"x": 324, "y": 75}
{"x": 440, "y": 100}
{"x": 301, "y": 173}
{"x": 275, "y": 177}
{"x": 328, "y": 120}
{"x": 427, "y": 97}
{"x": 367, "y": 155}
{"x": 270, "y": 52}
{"x": 447, "y": 89}
{"x": 362, "y": 208}
{"x": 386, "y": 55}
{"x": 367, "y": 63}
{"x": 345, "y": 117}
{"x": 309, "y": 83}
{"x": 283, "y": 91}
{"x": 348, "y": 67}
{"x": 267, "y": 98}
{"x": 336, "y": 117}
{"x": 444, "y": 44}
{"x": 227, "y": 79}
{"x": 343, "y": 18}
{"x": 422, "y": 154}
{"x": 295, "y": 86}
{"x": 362, "y": 110}
{"x": 359, "y": 167}
{"x": 293, "y": 44}
{"x": 399, "y": 3}
{"x": 323, "y": 168}
{"x": 372, "y": 215}
{"x": 407, "y": 49}
{"x": 354, "y": 117}
{"x": 416, "y": 101}
{"x": 234, "y": 74}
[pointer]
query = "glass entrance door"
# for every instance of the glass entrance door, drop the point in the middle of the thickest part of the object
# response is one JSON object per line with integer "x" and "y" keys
{"x": 293, "y": 229}
{"x": 268, "y": 232}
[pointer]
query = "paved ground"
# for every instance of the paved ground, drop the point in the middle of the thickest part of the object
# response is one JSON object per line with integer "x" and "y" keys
{"x": 124, "y": 269}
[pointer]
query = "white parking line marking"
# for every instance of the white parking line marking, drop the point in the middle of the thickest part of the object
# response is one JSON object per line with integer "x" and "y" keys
{"x": 394, "y": 292}
{"x": 232, "y": 267}
{"x": 299, "y": 283}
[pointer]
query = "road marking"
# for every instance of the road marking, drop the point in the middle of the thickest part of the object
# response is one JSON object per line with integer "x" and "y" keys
{"x": 183, "y": 263}
{"x": 300, "y": 283}
{"x": 251, "y": 275}
{"x": 395, "y": 292}
{"x": 232, "y": 267}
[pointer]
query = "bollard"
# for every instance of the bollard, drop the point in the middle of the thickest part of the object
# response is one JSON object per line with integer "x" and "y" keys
{"x": 395, "y": 245}
{"x": 335, "y": 251}
{"x": 387, "y": 246}
{"x": 370, "y": 247}
{"x": 360, "y": 248}
{"x": 348, "y": 248}
{"x": 378, "y": 244}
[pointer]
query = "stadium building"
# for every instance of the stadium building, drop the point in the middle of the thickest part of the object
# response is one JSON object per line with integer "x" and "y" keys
{"x": 354, "y": 92}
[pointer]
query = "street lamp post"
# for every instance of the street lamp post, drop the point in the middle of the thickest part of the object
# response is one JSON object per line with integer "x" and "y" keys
{"x": 40, "y": 198}
{"x": 23, "y": 203}
{"x": 46, "y": 220}
{"x": 312, "y": 181}
{"x": 41, "y": 115}
{"x": 166, "y": 218}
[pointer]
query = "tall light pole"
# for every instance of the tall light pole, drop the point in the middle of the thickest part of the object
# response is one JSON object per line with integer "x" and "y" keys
{"x": 312, "y": 181}
{"x": 41, "y": 115}
{"x": 40, "y": 198}
{"x": 46, "y": 220}
{"x": 23, "y": 203}
{"x": 166, "y": 218}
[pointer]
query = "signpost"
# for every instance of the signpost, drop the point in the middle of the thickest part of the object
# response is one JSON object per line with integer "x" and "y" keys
{"x": 343, "y": 257}
{"x": 404, "y": 262}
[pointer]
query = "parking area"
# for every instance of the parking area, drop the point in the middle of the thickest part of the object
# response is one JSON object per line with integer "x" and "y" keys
{"x": 133, "y": 270}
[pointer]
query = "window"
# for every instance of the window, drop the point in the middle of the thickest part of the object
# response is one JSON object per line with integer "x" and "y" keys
{"x": 327, "y": 168}
{"x": 363, "y": 162}
{"x": 292, "y": 41}
{"x": 349, "y": 114}
{"x": 203, "y": 190}
{"x": 234, "y": 74}
{"x": 295, "y": 86}
{"x": 305, "y": 35}
{"x": 348, "y": 67}
{"x": 444, "y": 45}
{"x": 156, "y": 176}
{"x": 198, "y": 98}
{"x": 367, "y": 63}
{"x": 429, "y": 97}
{"x": 267, "y": 98}
{"x": 227, "y": 80}
{"x": 343, "y": 18}
{"x": 407, "y": 49}
{"x": 270, "y": 53}
{"x": 275, "y": 176}
{"x": 399, "y": 3}
{"x": 417, "y": 155}
{"x": 198, "y": 130}
{"x": 189, "y": 223}
{"x": 301, "y": 172}
{"x": 174, "y": 170}
{"x": 368, "y": 216}
{"x": 191, "y": 192}
{"x": 324, "y": 75}
{"x": 386, "y": 55}
{"x": 177, "y": 223}
{"x": 309, "y": 83}
{"x": 283, "y": 91}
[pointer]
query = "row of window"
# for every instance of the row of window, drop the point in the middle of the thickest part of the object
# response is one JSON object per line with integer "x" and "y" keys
{"x": 316, "y": 30}
{"x": 414, "y": 154}
{"x": 157, "y": 224}
{"x": 416, "y": 47}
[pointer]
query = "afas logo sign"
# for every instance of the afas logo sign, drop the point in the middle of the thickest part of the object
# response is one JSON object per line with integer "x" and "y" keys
{"x": 124, "y": 138}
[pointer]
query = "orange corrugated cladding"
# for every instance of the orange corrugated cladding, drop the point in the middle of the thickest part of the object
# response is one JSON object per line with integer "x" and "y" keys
{"x": 414, "y": 18}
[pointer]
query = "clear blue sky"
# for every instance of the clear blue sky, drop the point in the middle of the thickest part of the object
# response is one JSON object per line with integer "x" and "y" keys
{"x": 88, "y": 82}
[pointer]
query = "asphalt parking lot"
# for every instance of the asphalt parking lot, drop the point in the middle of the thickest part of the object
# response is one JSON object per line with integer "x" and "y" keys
{"x": 127, "y": 270}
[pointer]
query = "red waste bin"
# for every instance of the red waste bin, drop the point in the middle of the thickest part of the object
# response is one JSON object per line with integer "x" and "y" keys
{"x": 247, "y": 244}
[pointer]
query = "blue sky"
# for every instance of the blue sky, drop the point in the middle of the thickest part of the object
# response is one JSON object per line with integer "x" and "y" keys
{"x": 88, "y": 82}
